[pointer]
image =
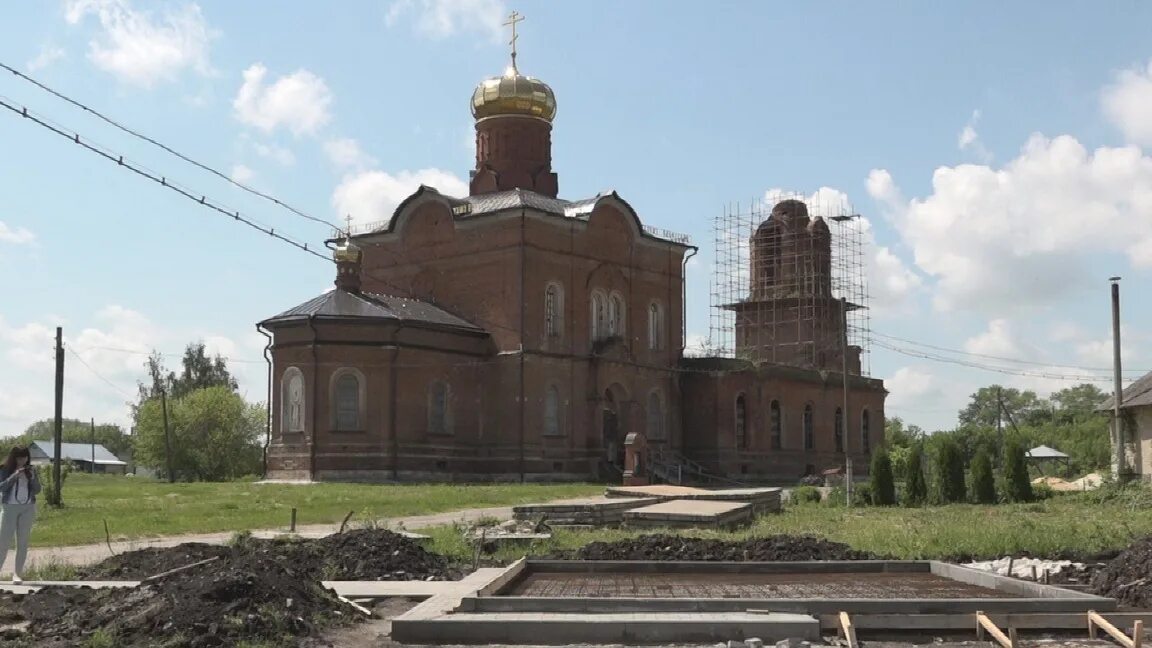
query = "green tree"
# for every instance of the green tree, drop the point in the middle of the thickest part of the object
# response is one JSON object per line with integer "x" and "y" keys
{"x": 1017, "y": 486}
{"x": 949, "y": 483}
{"x": 983, "y": 483}
{"x": 916, "y": 489}
{"x": 1080, "y": 401}
{"x": 1021, "y": 407}
{"x": 883, "y": 485}
{"x": 109, "y": 435}
{"x": 215, "y": 435}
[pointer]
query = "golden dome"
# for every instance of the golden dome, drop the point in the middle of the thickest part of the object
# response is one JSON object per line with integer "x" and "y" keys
{"x": 346, "y": 252}
{"x": 513, "y": 94}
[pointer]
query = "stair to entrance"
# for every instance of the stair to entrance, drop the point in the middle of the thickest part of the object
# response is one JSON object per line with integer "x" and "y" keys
{"x": 674, "y": 468}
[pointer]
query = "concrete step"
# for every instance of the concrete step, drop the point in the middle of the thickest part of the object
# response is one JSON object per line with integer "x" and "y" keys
{"x": 560, "y": 629}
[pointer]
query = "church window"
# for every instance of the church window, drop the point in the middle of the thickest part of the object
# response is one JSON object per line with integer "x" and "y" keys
{"x": 553, "y": 310}
{"x": 839, "y": 430}
{"x": 439, "y": 415}
{"x": 599, "y": 323}
{"x": 655, "y": 417}
{"x": 292, "y": 401}
{"x": 865, "y": 442}
{"x": 347, "y": 399}
{"x": 552, "y": 411}
{"x": 809, "y": 433}
{"x": 655, "y": 327}
{"x": 616, "y": 315}
{"x": 741, "y": 423}
{"x": 775, "y": 426}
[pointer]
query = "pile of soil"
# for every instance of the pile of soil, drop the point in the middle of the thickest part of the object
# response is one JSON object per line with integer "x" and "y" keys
{"x": 255, "y": 590}
{"x": 670, "y": 547}
{"x": 360, "y": 554}
{"x": 1128, "y": 577}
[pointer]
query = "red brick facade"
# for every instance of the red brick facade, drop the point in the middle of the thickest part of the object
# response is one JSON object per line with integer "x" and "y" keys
{"x": 510, "y": 335}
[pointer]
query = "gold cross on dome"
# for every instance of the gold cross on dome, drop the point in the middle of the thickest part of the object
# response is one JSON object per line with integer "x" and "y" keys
{"x": 513, "y": 18}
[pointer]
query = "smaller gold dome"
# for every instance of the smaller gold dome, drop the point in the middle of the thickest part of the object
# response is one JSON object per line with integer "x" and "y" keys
{"x": 513, "y": 94}
{"x": 346, "y": 252}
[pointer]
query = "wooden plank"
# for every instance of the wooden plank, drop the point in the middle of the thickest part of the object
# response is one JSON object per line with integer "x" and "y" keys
{"x": 1018, "y": 620}
{"x": 848, "y": 629}
{"x": 983, "y": 623}
{"x": 1097, "y": 621}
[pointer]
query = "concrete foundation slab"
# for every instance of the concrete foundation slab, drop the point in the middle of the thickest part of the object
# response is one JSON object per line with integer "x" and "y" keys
{"x": 690, "y": 513}
{"x": 597, "y": 511}
{"x": 763, "y": 500}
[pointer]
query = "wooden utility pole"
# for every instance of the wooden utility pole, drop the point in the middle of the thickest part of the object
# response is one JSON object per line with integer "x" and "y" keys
{"x": 1119, "y": 460}
{"x": 92, "y": 468}
{"x": 167, "y": 436}
{"x": 844, "y": 383}
{"x": 58, "y": 424}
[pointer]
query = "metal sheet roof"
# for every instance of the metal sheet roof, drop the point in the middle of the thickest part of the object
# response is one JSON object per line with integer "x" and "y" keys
{"x": 1044, "y": 452}
{"x": 79, "y": 452}
{"x": 1138, "y": 394}
{"x": 341, "y": 304}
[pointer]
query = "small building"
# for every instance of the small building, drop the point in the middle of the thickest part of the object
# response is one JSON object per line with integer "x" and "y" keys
{"x": 1136, "y": 424}
{"x": 87, "y": 457}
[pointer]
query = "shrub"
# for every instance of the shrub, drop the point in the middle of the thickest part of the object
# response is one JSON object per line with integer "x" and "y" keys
{"x": 883, "y": 485}
{"x": 949, "y": 483}
{"x": 805, "y": 495}
{"x": 983, "y": 483}
{"x": 916, "y": 487}
{"x": 1017, "y": 487}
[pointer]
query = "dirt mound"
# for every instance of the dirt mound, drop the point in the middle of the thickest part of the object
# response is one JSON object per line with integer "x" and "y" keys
{"x": 1128, "y": 577}
{"x": 670, "y": 547}
{"x": 142, "y": 563}
{"x": 243, "y": 597}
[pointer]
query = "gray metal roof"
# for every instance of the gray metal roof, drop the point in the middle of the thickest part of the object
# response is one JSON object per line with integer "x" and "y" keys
{"x": 1138, "y": 394}
{"x": 341, "y": 304}
{"x": 1044, "y": 452}
{"x": 79, "y": 452}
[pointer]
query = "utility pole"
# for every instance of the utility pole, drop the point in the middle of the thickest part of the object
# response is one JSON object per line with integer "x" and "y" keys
{"x": 58, "y": 424}
{"x": 1000, "y": 422}
{"x": 167, "y": 436}
{"x": 92, "y": 469}
{"x": 1119, "y": 469}
{"x": 844, "y": 383}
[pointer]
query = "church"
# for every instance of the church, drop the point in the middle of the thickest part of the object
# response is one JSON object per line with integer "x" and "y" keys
{"x": 513, "y": 335}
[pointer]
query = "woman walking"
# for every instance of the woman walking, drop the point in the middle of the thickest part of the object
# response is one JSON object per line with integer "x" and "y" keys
{"x": 19, "y": 485}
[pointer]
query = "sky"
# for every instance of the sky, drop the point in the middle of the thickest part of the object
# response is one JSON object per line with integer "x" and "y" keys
{"x": 1000, "y": 155}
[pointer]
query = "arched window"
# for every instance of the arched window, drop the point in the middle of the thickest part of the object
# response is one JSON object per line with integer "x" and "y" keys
{"x": 554, "y": 310}
{"x": 552, "y": 411}
{"x": 655, "y": 327}
{"x": 655, "y": 417}
{"x": 865, "y": 442}
{"x": 775, "y": 425}
{"x": 599, "y": 319}
{"x": 347, "y": 400}
{"x": 439, "y": 414}
{"x": 839, "y": 433}
{"x": 809, "y": 434}
{"x": 292, "y": 401}
{"x": 741, "y": 423}
{"x": 616, "y": 315}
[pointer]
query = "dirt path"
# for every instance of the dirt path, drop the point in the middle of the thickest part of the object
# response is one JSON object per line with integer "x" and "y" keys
{"x": 84, "y": 554}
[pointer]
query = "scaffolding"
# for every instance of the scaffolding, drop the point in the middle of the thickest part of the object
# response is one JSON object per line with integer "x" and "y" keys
{"x": 781, "y": 266}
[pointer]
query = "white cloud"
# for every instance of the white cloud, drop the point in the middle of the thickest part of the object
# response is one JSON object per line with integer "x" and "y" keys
{"x": 140, "y": 48}
{"x": 48, "y": 55}
{"x": 16, "y": 235}
{"x": 969, "y": 139}
{"x": 997, "y": 340}
{"x": 696, "y": 345}
{"x": 1022, "y": 234}
{"x": 242, "y": 174}
{"x": 1127, "y": 103}
{"x": 298, "y": 102}
{"x": 443, "y": 18}
{"x": 101, "y": 381}
{"x": 912, "y": 389}
{"x": 278, "y": 154}
{"x": 372, "y": 196}
{"x": 346, "y": 153}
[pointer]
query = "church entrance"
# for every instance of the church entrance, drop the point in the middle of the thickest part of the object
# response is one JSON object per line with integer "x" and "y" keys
{"x": 613, "y": 436}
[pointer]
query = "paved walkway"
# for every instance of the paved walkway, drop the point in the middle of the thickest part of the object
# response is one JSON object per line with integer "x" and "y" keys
{"x": 85, "y": 554}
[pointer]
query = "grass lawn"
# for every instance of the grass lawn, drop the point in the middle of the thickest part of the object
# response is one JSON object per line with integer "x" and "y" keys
{"x": 142, "y": 508}
{"x": 1067, "y": 523}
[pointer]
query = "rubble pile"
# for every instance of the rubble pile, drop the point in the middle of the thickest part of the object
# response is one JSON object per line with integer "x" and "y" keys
{"x": 670, "y": 547}
{"x": 1128, "y": 577}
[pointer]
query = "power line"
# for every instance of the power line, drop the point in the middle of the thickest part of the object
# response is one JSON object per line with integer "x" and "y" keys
{"x": 1003, "y": 370}
{"x": 158, "y": 179}
{"x": 187, "y": 159}
{"x": 166, "y": 355}
{"x": 97, "y": 374}
{"x": 1002, "y": 358}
